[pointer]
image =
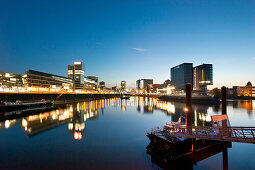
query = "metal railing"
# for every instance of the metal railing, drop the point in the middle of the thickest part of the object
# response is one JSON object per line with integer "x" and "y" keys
{"x": 231, "y": 134}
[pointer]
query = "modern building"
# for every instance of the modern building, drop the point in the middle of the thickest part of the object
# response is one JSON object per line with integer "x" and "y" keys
{"x": 114, "y": 88}
{"x": 95, "y": 80}
{"x": 76, "y": 73}
{"x": 144, "y": 85}
{"x": 102, "y": 85}
{"x": 123, "y": 86}
{"x": 166, "y": 89}
{"x": 40, "y": 81}
{"x": 202, "y": 76}
{"x": 10, "y": 82}
{"x": 180, "y": 75}
{"x": 155, "y": 88}
{"x": 91, "y": 83}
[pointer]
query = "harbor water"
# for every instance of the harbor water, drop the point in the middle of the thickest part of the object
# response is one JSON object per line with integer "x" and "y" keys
{"x": 111, "y": 134}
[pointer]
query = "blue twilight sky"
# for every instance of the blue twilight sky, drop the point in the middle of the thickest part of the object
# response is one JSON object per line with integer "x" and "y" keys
{"x": 128, "y": 40}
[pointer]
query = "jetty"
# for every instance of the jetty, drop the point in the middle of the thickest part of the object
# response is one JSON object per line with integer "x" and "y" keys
{"x": 175, "y": 141}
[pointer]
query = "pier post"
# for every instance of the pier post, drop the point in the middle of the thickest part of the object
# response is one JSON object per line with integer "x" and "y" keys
{"x": 188, "y": 105}
{"x": 224, "y": 100}
{"x": 225, "y": 158}
{"x": 224, "y": 109}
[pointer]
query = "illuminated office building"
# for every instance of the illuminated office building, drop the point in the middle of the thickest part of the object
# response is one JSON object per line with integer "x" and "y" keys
{"x": 11, "y": 82}
{"x": 123, "y": 86}
{"x": 76, "y": 73}
{"x": 94, "y": 82}
{"x": 102, "y": 85}
{"x": 40, "y": 81}
{"x": 144, "y": 86}
{"x": 202, "y": 76}
{"x": 91, "y": 83}
{"x": 181, "y": 75}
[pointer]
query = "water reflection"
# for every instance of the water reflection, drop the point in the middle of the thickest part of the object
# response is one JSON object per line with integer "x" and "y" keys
{"x": 76, "y": 114}
{"x": 113, "y": 137}
{"x": 248, "y": 105}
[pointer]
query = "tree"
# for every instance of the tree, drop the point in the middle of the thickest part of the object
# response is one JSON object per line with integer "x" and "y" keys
{"x": 216, "y": 93}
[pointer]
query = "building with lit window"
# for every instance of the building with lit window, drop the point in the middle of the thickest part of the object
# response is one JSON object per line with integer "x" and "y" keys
{"x": 40, "y": 81}
{"x": 181, "y": 75}
{"x": 91, "y": 83}
{"x": 95, "y": 81}
{"x": 144, "y": 86}
{"x": 102, "y": 85}
{"x": 10, "y": 82}
{"x": 202, "y": 76}
{"x": 76, "y": 73}
{"x": 123, "y": 86}
{"x": 247, "y": 91}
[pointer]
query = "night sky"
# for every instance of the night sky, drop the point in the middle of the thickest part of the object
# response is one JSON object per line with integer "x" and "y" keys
{"x": 129, "y": 40}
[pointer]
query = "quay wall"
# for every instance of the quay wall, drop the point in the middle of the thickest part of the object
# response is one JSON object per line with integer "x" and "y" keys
{"x": 12, "y": 97}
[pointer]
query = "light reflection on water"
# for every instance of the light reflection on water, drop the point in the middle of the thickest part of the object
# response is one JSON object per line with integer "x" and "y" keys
{"x": 108, "y": 134}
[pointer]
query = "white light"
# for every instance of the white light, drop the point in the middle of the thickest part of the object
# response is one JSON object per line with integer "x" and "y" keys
{"x": 24, "y": 122}
{"x": 7, "y": 75}
{"x": 77, "y": 63}
{"x": 7, "y": 124}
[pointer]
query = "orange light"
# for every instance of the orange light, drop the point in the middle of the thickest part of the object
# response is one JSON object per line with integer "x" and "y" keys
{"x": 186, "y": 109}
{"x": 77, "y": 135}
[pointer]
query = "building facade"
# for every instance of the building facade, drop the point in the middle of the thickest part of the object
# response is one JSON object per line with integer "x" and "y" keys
{"x": 123, "y": 87}
{"x": 76, "y": 73}
{"x": 144, "y": 86}
{"x": 102, "y": 85}
{"x": 202, "y": 76}
{"x": 180, "y": 75}
{"x": 40, "y": 81}
{"x": 10, "y": 82}
{"x": 91, "y": 83}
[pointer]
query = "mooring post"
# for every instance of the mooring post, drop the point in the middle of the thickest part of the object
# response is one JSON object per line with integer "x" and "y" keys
{"x": 224, "y": 100}
{"x": 188, "y": 105}
{"x": 225, "y": 157}
{"x": 224, "y": 108}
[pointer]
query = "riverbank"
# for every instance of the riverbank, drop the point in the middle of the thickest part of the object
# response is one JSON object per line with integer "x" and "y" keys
{"x": 61, "y": 98}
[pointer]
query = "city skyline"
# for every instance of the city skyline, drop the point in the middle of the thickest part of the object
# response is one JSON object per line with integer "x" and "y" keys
{"x": 129, "y": 40}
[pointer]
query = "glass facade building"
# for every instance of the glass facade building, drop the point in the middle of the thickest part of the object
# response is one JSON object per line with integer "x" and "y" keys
{"x": 182, "y": 74}
{"x": 202, "y": 76}
{"x": 91, "y": 83}
{"x": 40, "y": 81}
{"x": 11, "y": 82}
{"x": 76, "y": 73}
{"x": 123, "y": 86}
{"x": 94, "y": 80}
{"x": 144, "y": 85}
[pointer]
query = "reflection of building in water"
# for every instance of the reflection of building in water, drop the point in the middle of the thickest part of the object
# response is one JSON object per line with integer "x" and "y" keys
{"x": 35, "y": 124}
{"x": 82, "y": 112}
{"x": 249, "y": 105}
{"x": 77, "y": 123}
{"x": 175, "y": 109}
{"x": 123, "y": 105}
{"x": 8, "y": 123}
{"x": 200, "y": 115}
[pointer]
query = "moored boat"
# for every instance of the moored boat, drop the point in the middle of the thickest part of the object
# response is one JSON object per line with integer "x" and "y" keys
{"x": 20, "y": 106}
{"x": 123, "y": 96}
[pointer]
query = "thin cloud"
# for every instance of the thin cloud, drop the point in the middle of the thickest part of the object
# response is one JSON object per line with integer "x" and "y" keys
{"x": 253, "y": 58}
{"x": 139, "y": 49}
